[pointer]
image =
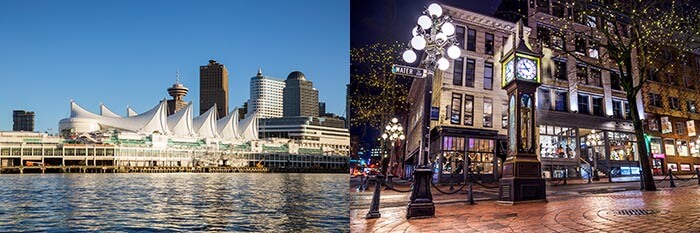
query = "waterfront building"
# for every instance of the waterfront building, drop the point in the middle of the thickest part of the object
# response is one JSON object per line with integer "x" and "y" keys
{"x": 22, "y": 120}
{"x": 319, "y": 135}
{"x": 266, "y": 96}
{"x": 177, "y": 91}
{"x": 213, "y": 88}
{"x": 300, "y": 97}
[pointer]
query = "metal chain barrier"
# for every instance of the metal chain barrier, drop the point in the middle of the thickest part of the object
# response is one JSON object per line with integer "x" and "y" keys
{"x": 443, "y": 192}
{"x": 662, "y": 180}
{"x": 682, "y": 179}
{"x": 391, "y": 187}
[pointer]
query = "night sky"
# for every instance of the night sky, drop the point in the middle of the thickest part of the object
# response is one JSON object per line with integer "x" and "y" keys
{"x": 386, "y": 21}
{"x": 374, "y": 21}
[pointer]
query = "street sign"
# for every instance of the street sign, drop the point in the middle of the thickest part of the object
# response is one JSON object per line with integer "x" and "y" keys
{"x": 408, "y": 71}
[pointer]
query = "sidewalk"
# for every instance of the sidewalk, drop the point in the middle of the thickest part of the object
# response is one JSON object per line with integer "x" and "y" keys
{"x": 668, "y": 210}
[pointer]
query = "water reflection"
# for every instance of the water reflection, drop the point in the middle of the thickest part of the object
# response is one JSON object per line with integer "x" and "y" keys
{"x": 174, "y": 202}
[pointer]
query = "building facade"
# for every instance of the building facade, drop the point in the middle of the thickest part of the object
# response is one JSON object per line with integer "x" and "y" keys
{"x": 300, "y": 96}
{"x": 583, "y": 117}
{"x": 213, "y": 88}
{"x": 22, "y": 120}
{"x": 671, "y": 116}
{"x": 315, "y": 134}
{"x": 266, "y": 96}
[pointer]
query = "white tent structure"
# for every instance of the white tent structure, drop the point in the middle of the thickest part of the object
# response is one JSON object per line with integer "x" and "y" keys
{"x": 228, "y": 126}
{"x": 130, "y": 112}
{"x": 104, "y": 111}
{"x": 248, "y": 127}
{"x": 181, "y": 124}
{"x": 205, "y": 124}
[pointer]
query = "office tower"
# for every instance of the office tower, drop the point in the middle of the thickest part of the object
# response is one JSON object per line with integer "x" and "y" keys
{"x": 213, "y": 88}
{"x": 22, "y": 120}
{"x": 300, "y": 97}
{"x": 266, "y": 96}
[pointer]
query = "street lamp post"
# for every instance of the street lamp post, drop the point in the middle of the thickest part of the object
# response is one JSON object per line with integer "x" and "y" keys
{"x": 392, "y": 132}
{"x": 592, "y": 140}
{"x": 433, "y": 34}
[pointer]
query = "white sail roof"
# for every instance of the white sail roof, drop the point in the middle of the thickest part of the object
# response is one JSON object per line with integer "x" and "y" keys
{"x": 180, "y": 123}
{"x": 130, "y": 112}
{"x": 104, "y": 111}
{"x": 205, "y": 124}
{"x": 248, "y": 127}
{"x": 228, "y": 126}
{"x": 150, "y": 121}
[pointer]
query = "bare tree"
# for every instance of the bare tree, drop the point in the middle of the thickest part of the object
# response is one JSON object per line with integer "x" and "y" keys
{"x": 637, "y": 39}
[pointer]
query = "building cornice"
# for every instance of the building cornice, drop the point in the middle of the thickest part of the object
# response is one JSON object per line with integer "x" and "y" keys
{"x": 473, "y": 18}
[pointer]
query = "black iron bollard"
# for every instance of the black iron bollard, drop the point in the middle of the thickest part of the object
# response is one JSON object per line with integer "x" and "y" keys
{"x": 590, "y": 173}
{"x": 471, "y": 191}
{"x": 641, "y": 180}
{"x": 566, "y": 173}
{"x": 670, "y": 174}
{"x": 697, "y": 171}
{"x": 374, "y": 207}
{"x": 362, "y": 184}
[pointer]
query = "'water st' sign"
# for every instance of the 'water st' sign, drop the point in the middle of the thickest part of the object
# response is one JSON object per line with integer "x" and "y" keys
{"x": 408, "y": 71}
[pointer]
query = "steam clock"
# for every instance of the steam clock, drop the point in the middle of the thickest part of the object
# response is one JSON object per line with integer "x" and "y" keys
{"x": 522, "y": 180}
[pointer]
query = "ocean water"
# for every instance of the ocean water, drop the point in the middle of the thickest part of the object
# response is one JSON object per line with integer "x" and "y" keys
{"x": 174, "y": 202}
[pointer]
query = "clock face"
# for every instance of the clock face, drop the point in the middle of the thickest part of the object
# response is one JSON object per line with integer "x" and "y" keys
{"x": 510, "y": 69}
{"x": 527, "y": 69}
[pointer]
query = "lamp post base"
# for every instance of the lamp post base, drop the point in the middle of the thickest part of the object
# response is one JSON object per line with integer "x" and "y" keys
{"x": 421, "y": 203}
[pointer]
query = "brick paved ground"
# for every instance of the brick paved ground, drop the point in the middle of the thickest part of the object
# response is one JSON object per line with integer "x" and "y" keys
{"x": 678, "y": 211}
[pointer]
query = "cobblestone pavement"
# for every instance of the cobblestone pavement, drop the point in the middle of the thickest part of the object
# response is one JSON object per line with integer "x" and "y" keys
{"x": 667, "y": 210}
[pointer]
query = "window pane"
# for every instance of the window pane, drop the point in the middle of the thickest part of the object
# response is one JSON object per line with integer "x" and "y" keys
{"x": 488, "y": 76}
{"x": 489, "y": 43}
{"x": 488, "y": 112}
{"x": 560, "y": 72}
{"x": 471, "y": 40}
{"x": 583, "y": 106}
{"x": 468, "y": 110}
{"x": 582, "y": 74}
{"x": 456, "y": 110}
{"x": 545, "y": 100}
{"x": 560, "y": 101}
{"x": 459, "y": 32}
{"x": 598, "y": 106}
{"x": 504, "y": 115}
{"x": 458, "y": 71}
{"x": 469, "y": 79}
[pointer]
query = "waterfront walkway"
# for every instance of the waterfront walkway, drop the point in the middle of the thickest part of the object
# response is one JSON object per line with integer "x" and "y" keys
{"x": 598, "y": 207}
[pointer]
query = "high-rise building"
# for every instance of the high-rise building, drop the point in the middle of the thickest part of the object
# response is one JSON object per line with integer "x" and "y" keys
{"x": 300, "y": 97}
{"x": 213, "y": 88}
{"x": 243, "y": 110}
{"x": 177, "y": 91}
{"x": 22, "y": 120}
{"x": 321, "y": 108}
{"x": 266, "y": 96}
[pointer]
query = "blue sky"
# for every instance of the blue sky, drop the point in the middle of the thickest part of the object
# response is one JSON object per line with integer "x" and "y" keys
{"x": 127, "y": 52}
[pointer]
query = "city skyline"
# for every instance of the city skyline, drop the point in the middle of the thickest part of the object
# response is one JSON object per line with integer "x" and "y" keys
{"x": 82, "y": 52}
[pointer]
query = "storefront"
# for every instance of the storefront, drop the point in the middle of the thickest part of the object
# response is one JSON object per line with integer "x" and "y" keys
{"x": 673, "y": 144}
{"x": 453, "y": 150}
{"x": 558, "y": 151}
